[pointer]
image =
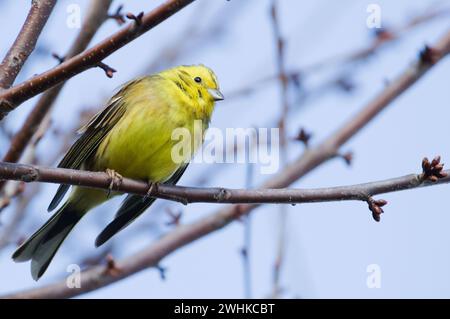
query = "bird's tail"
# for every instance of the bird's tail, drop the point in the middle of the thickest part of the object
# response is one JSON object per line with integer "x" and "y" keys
{"x": 42, "y": 246}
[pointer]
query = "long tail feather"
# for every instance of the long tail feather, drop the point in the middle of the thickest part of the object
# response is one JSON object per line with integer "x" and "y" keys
{"x": 42, "y": 246}
{"x": 132, "y": 207}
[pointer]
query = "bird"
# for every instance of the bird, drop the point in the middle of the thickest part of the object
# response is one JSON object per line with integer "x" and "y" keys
{"x": 130, "y": 137}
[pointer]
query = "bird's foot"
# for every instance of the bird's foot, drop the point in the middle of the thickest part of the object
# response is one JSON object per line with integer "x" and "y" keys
{"x": 116, "y": 179}
{"x": 153, "y": 187}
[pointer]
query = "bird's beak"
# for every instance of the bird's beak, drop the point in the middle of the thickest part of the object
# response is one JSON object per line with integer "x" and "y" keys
{"x": 216, "y": 94}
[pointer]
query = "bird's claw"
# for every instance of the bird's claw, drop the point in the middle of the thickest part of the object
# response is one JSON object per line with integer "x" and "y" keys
{"x": 116, "y": 179}
{"x": 153, "y": 186}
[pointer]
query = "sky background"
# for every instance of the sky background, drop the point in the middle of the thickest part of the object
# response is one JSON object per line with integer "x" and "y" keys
{"x": 328, "y": 245}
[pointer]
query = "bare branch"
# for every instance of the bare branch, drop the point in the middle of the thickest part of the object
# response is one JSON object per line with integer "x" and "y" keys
{"x": 90, "y": 58}
{"x": 109, "y": 71}
{"x": 118, "y": 16}
{"x": 186, "y": 195}
{"x": 25, "y": 41}
{"x": 280, "y": 46}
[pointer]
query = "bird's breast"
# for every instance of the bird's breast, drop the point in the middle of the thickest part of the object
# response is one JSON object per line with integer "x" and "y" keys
{"x": 145, "y": 144}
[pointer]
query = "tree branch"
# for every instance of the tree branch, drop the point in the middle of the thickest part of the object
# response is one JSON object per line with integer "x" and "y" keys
{"x": 280, "y": 45}
{"x": 90, "y": 58}
{"x": 186, "y": 195}
{"x": 25, "y": 41}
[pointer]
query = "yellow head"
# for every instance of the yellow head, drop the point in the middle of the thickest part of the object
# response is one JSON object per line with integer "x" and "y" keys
{"x": 197, "y": 81}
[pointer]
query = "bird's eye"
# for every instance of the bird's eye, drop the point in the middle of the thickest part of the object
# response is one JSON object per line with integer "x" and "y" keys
{"x": 198, "y": 79}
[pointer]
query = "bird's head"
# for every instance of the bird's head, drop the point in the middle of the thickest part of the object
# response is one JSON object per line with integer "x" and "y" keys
{"x": 202, "y": 79}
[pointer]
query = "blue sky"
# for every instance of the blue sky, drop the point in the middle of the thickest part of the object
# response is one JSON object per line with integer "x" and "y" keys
{"x": 329, "y": 245}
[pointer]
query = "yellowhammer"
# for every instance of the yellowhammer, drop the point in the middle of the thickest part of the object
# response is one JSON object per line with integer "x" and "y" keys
{"x": 130, "y": 137}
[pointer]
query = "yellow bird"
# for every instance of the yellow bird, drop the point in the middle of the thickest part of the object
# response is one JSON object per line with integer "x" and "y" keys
{"x": 130, "y": 137}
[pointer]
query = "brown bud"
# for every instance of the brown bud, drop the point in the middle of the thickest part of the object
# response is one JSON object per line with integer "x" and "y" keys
{"x": 348, "y": 158}
{"x": 436, "y": 161}
{"x": 442, "y": 174}
{"x": 303, "y": 136}
{"x": 376, "y": 217}
{"x": 425, "y": 164}
{"x": 377, "y": 210}
{"x": 380, "y": 202}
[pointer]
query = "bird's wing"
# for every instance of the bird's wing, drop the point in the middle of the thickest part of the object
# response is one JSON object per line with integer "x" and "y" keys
{"x": 92, "y": 134}
{"x": 132, "y": 207}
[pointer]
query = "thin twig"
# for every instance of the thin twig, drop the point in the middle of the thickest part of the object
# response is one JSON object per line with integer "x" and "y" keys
{"x": 118, "y": 15}
{"x": 246, "y": 249}
{"x": 283, "y": 79}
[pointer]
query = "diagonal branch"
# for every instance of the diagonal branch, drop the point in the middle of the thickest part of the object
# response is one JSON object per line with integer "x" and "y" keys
{"x": 25, "y": 41}
{"x": 90, "y": 58}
